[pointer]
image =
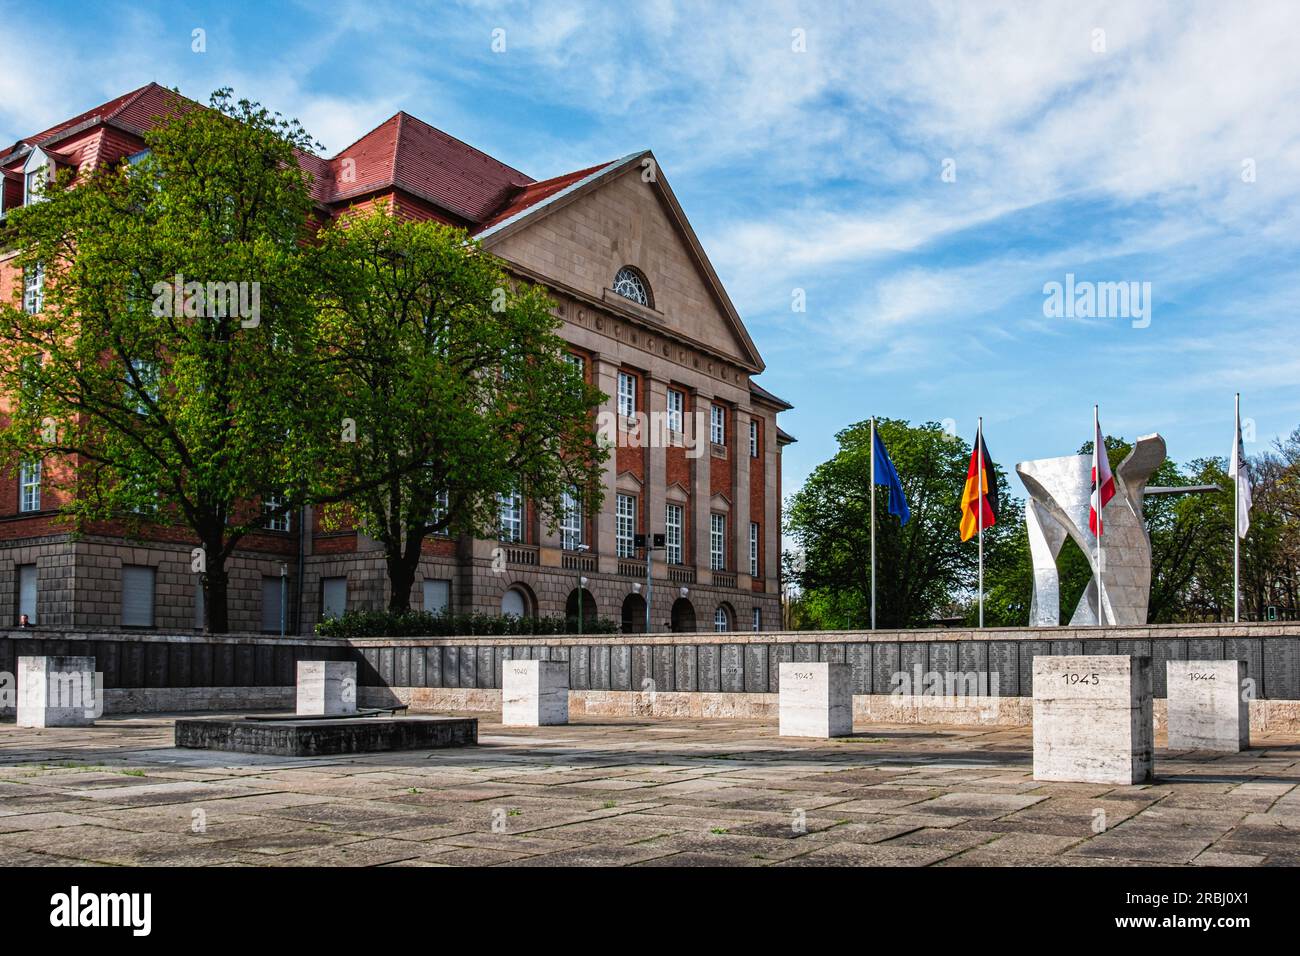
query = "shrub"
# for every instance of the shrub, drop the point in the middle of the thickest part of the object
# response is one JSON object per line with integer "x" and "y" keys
{"x": 360, "y": 623}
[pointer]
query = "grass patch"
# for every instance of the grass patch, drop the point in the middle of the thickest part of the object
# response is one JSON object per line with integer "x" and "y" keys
{"x": 718, "y": 830}
{"x": 132, "y": 773}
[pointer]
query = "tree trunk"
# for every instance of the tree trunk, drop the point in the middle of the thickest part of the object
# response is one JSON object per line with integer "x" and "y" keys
{"x": 401, "y": 578}
{"x": 216, "y": 618}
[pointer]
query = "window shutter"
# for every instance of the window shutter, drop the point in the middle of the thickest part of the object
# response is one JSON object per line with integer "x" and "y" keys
{"x": 27, "y": 592}
{"x": 437, "y": 595}
{"x": 334, "y": 599}
{"x": 137, "y": 596}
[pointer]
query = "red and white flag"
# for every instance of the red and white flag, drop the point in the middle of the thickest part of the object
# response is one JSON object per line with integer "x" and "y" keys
{"x": 1103, "y": 482}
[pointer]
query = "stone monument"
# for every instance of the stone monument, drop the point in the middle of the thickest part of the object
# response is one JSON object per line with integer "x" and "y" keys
{"x": 815, "y": 700}
{"x": 534, "y": 693}
{"x": 327, "y": 687}
{"x": 1092, "y": 718}
{"x": 1207, "y": 706}
{"x": 58, "y": 692}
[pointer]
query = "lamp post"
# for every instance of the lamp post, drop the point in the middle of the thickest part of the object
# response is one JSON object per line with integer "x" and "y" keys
{"x": 284, "y": 593}
{"x": 582, "y": 583}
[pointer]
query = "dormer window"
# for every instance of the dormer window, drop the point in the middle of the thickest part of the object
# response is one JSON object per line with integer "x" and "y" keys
{"x": 36, "y": 173}
{"x": 631, "y": 284}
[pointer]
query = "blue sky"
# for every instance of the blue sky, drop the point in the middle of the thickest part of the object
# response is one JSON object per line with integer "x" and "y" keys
{"x": 1110, "y": 141}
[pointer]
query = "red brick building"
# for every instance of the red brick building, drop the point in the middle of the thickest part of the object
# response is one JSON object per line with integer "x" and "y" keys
{"x": 645, "y": 315}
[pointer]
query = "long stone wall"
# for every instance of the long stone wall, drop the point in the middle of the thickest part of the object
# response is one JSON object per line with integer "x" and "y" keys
{"x": 896, "y": 674}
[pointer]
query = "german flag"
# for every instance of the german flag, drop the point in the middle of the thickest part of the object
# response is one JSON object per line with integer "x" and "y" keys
{"x": 987, "y": 495}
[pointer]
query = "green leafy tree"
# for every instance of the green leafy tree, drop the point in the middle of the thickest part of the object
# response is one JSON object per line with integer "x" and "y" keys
{"x": 923, "y": 568}
{"x": 171, "y": 374}
{"x": 453, "y": 385}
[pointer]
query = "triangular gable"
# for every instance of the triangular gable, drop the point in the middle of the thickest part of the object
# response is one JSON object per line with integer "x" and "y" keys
{"x": 686, "y": 294}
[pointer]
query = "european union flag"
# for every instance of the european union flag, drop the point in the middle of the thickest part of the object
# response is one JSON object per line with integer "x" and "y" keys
{"x": 886, "y": 475}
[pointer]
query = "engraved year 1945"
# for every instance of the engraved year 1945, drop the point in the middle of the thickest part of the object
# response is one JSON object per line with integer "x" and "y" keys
{"x": 1070, "y": 677}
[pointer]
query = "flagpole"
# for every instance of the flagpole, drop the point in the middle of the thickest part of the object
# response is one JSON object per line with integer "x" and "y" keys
{"x": 873, "y": 522}
{"x": 1236, "y": 516}
{"x": 979, "y": 507}
{"x": 1099, "y": 449}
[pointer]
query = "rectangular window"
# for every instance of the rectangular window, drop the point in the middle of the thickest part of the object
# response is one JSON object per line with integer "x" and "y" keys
{"x": 753, "y": 438}
{"x": 34, "y": 289}
{"x": 512, "y": 517}
{"x": 27, "y": 592}
{"x": 137, "y": 596}
{"x": 571, "y": 521}
{"x": 758, "y": 618}
{"x": 676, "y": 409}
{"x": 673, "y": 534}
{"x": 32, "y": 185}
{"x": 626, "y": 395}
{"x": 753, "y": 549}
{"x": 333, "y": 597}
{"x": 274, "y": 589}
{"x": 577, "y": 363}
{"x": 280, "y": 522}
{"x": 437, "y": 595}
{"x": 717, "y": 424}
{"x": 625, "y": 526}
{"x": 198, "y": 604}
{"x": 718, "y": 542}
{"x": 29, "y": 486}
{"x": 441, "y": 509}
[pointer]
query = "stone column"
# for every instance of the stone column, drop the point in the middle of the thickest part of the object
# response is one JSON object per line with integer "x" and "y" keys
{"x": 701, "y": 493}
{"x": 605, "y": 378}
{"x": 740, "y": 508}
{"x": 771, "y": 505}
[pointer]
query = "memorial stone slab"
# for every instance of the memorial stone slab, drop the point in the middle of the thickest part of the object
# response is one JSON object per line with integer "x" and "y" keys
{"x": 1092, "y": 719}
{"x": 815, "y": 699}
{"x": 57, "y": 692}
{"x": 327, "y": 687}
{"x": 534, "y": 693}
{"x": 1208, "y": 708}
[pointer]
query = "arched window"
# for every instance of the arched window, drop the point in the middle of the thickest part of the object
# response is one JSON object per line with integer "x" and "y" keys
{"x": 514, "y": 602}
{"x": 722, "y": 619}
{"x": 630, "y": 283}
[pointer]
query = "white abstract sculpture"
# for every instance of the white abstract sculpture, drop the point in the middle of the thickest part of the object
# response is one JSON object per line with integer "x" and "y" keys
{"x": 1059, "y": 493}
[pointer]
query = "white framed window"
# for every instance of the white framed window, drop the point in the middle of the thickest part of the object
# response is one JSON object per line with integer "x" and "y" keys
{"x": 137, "y": 595}
{"x": 571, "y": 521}
{"x": 514, "y": 603}
{"x": 29, "y": 486}
{"x": 721, "y": 620}
{"x": 34, "y": 289}
{"x": 717, "y": 424}
{"x": 676, "y": 410}
{"x": 753, "y": 438}
{"x": 673, "y": 534}
{"x": 626, "y": 394}
{"x": 32, "y": 181}
{"x": 280, "y": 522}
{"x": 512, "y": 516}
{"x": 758, "y": 618}
{"x": 577, "y": 363}
{"x": 630, "y": 284}
{"x": 441, "y": 508}
{"x": 753, "y": 549}
{"x": 625, "y": 526}
{"x": 718, "y": 542}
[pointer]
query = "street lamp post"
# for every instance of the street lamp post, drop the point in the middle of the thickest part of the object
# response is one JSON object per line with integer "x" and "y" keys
{"x": 284, "y": 593}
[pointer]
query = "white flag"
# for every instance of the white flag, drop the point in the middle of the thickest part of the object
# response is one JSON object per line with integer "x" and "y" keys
{"x": 1239, "y": 471}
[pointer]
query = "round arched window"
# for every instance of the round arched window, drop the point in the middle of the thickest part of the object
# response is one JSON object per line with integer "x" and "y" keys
{"x": 631, "y": 284}
{"x": 514, "y": 602}
{"x": 722, "y": 619}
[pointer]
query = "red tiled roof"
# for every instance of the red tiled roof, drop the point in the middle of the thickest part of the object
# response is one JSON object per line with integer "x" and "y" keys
{"x": 403, "y": 153}
{"x": 534, "y": 193}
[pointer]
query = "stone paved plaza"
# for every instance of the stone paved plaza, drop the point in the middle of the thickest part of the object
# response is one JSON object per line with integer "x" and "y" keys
{"x": 633, "y": 793}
